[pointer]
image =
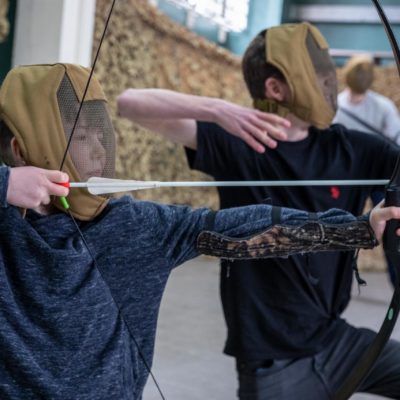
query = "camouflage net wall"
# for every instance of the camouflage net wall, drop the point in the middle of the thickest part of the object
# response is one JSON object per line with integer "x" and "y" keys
{"x": 143, "y": 49}
{"x": 4, "y": 24}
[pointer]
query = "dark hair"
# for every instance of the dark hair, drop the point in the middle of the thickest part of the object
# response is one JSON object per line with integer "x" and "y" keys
{"x": 255, "y": 68}
{"x": 5, "y": 144}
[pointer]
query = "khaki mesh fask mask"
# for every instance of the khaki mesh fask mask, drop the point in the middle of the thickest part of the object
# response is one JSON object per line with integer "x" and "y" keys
{"x": 39, "y": 103}
{"x": 300, "y": 52}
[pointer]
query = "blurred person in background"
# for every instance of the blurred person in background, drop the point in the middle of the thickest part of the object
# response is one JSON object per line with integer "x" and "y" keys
{"x": 362, "y": 109}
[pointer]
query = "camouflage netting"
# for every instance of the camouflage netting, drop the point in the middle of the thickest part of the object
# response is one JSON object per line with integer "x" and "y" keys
{"x": 144, "y": 48}
{"x": 4, "y": 24}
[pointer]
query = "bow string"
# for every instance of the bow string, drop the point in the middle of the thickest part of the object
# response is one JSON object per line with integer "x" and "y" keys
{"x": 391, "y": 246}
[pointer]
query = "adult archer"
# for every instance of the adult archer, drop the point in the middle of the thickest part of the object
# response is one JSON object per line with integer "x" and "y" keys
{"x": 283, "y": 316}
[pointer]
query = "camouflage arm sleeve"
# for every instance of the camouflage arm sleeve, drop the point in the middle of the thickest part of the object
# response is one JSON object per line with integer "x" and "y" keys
{"x": 286, "y": 240}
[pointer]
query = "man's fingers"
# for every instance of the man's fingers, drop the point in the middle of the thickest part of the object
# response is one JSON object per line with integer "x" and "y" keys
{"x": 274, "y": 119}
{"x": 272, "y": 130}
{"x": 260, "y": 135}
{"x": 254, "y": 144}
{"x": 276, "y": 133}
{"x": 268, "y": 141}
{"x": 390, "y": 213}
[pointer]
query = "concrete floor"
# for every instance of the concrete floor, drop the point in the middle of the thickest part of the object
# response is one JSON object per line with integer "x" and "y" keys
{"x": 188, "y": 362}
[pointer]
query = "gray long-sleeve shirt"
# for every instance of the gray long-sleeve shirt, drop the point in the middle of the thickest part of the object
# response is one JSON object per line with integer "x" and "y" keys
{"x": 67, "y": 323}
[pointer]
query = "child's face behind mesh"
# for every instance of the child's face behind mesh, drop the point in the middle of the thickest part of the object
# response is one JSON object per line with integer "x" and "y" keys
{"x": 87, "y": 151}
{"x": 92, "y": 148}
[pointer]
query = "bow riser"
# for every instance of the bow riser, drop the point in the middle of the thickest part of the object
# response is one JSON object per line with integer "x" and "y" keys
{"x": 391, "y": 242}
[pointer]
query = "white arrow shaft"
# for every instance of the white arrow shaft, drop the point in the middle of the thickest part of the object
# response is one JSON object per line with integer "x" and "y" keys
{"x": 103, "y": 185}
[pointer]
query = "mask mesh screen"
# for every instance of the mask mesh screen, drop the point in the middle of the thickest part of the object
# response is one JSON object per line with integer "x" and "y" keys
{"x": 92, "y": 148}
{"x": 324, "y": 69}
{"x": 320, "y": 58}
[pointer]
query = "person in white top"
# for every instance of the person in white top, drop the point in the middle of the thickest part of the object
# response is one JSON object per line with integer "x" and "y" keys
{"x": 362, "y": 109}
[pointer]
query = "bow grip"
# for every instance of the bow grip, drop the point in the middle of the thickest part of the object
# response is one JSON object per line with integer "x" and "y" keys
{"x": 391, "y": 242}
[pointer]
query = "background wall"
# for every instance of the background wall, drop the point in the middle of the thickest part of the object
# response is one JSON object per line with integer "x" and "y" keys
{"x": 362, "y": 29}
{"x": 262, "y": 14}
{"x": 363, "y": 34}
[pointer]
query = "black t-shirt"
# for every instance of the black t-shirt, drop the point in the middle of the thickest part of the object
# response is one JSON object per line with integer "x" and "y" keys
{"x": 286, "y": 308}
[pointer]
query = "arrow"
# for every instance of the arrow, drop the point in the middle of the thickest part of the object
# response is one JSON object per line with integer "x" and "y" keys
{"x": 97, "y": 185}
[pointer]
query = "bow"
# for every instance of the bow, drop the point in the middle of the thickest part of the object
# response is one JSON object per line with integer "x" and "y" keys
{"x": 391, "y": 245}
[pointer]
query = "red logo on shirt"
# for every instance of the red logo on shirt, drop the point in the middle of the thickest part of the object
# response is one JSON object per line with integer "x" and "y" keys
{"x": 335, "y": 192}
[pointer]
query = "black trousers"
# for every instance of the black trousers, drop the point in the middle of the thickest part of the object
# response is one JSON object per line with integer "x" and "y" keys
{"x": 319, "y": 376}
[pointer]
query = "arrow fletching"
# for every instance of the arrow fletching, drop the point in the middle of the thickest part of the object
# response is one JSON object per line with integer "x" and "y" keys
{"x": 97, "y": 186}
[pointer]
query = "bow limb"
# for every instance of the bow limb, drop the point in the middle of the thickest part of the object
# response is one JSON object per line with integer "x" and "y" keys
{"x": 391, "y": 245}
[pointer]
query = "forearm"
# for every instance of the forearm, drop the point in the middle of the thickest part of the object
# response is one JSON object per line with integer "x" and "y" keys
{"x": 332, "y": 231}
{"x": 170, "y": 114}
{"x": 248, "y": 220}
{"x": 158, "y": 104}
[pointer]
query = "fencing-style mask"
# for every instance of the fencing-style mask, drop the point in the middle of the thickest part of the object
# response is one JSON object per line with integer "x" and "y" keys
{"x": 359, "y": 73}
{"x": 39, "y": 103}
{"x": 300, "y": 53}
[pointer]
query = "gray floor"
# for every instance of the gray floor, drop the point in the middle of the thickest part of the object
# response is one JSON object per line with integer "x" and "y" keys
{"x": 188, "y": 362}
